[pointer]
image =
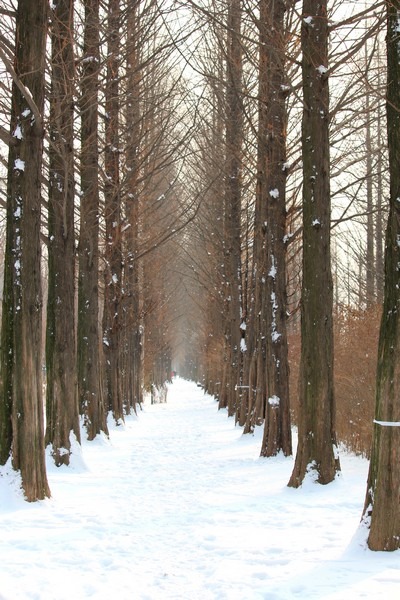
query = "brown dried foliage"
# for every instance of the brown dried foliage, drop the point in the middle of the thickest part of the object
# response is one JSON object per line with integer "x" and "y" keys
{"x": 356, "y": 343}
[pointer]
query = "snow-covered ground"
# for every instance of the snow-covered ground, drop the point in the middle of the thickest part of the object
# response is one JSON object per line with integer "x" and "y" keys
{"x": 177, "y": 505}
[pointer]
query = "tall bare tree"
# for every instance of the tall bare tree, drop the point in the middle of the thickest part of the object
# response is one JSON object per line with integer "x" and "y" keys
{"x": 232, "y": 206}
{"x": 131, "y": 301}
{"x": 316, "y": 451}
{"x": 382, "y": 503}
{"x": 62, "y": 417}
{"x": 112, "y": 218}
{"x": 271, "y": 188}
{"x": 21, "y": 401}
{"x": 89, "y": 364}
{"x": 267, "y": 398}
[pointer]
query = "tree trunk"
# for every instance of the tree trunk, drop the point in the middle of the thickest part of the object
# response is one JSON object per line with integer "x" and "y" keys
{"x": 61, "y": 400}
{"x": 382, "y": 503}
{"x": 89, "y": 369}
{"x": 113, "y": 246}
{"x": 247, "y": 335}
{"x": 132, "y": 324}
{"x": 272, "y": 182}
{"x": 268, "y": 375}
{"x": 232, "y": 212}
{"x": 316, "y": 452}
{"x": 22, "y": 428}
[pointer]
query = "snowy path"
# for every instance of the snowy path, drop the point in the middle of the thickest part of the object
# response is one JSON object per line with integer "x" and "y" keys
{"x": 177, "y": 505}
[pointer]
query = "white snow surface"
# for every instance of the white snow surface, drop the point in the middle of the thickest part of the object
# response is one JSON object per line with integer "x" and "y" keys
{"x": 19, "y": 165}
{"x": 178, "y": 505}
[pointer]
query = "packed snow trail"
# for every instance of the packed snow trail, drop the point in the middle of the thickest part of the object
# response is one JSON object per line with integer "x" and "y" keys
{"x": 177, "y": 505}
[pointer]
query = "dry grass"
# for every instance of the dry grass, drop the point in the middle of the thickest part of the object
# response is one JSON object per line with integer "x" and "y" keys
{"x": 356, "y": 342}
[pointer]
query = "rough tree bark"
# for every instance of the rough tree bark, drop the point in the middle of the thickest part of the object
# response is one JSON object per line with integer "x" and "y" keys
{"x": 112, "y": 217}
{"x": 382, "y": 502}
{"x": 21, "y": 416}
{"x": 271, "y": 184}
{"x": 132, "y": 322}
{"x": 232, "y": 209}
{"x": 89, "y": 367}
{"x": 316, "y": 451}
{"x": 62, "y": 416}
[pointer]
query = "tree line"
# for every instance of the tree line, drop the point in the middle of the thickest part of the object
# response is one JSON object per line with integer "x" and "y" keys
{"x": 176, "y": 179}
{"x": 297, "y": 167}
{"x": 93, "y": 117}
